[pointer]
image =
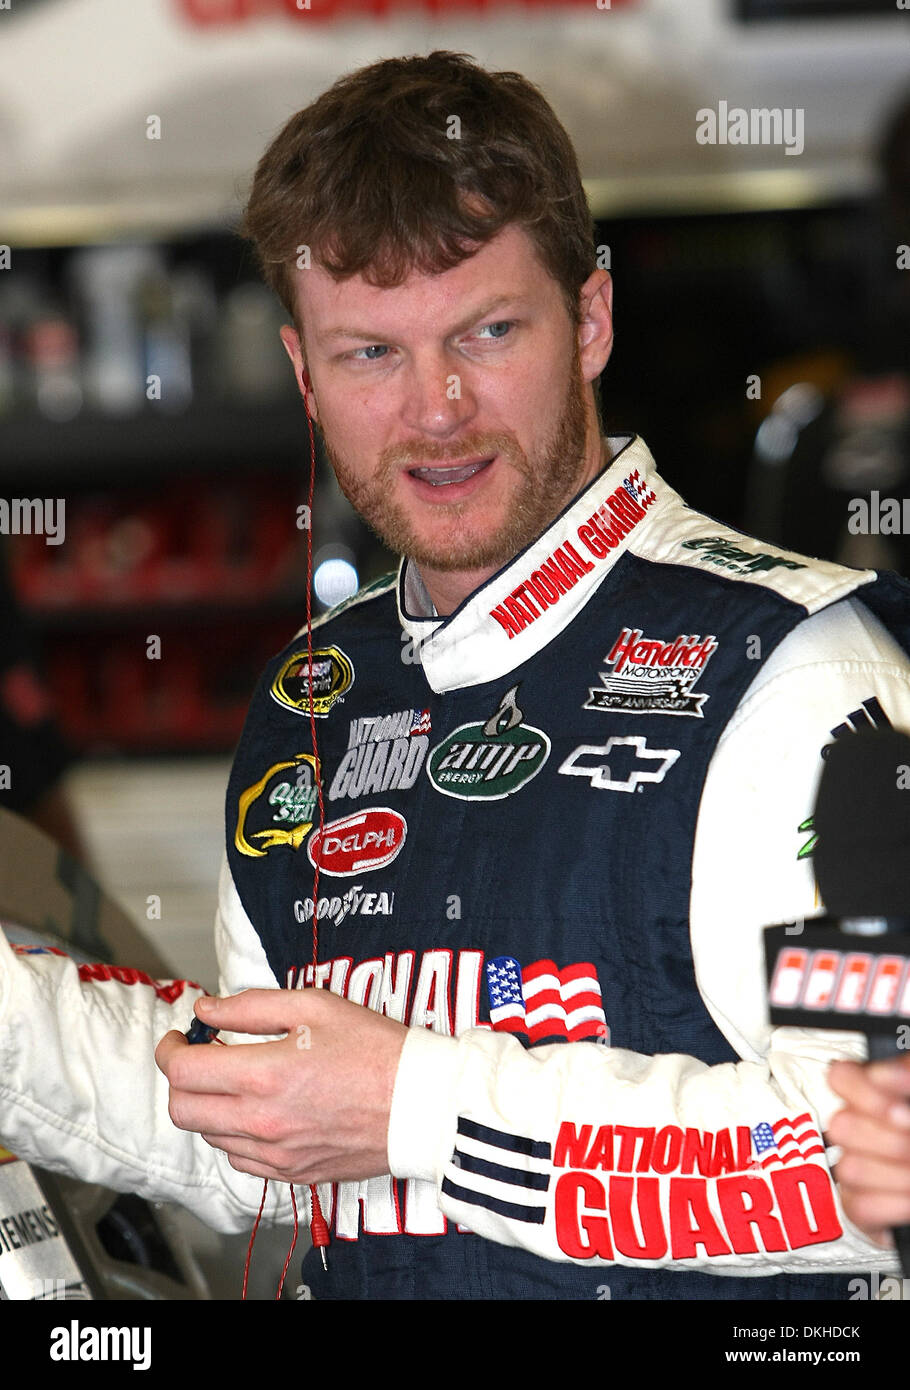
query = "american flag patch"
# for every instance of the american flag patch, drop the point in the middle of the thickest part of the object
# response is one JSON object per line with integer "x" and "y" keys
{"x": 787, "y": 1141}
{"x": 505, "y": 1173}
{"x": 638, "y": 489}
{"x": 542, "y": 1001}
{"x": 420, "y": 722}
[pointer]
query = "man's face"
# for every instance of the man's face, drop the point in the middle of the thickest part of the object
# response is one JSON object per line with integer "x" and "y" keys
{"x": 453, "y": 408}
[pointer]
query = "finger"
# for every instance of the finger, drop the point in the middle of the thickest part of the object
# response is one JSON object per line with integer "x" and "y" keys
{"x": 263, "y": 1160}
{"x": 876, "y": 1213}
{"x": 252, "y": 1011}
{"x": 208, "y": 1113}
{"x": 892, "y": 1075}
{"x": 238, "y": 1145}
{"x": 861, "y": 1172}
{"x": 264, "y": 1170}
{"x": 204, "y": 1071}
{"x": 245, "y": 1070}
{"x": 856, "y": 1133}
{"x": 243, "y": 1115}
{"x": 169, "y": 1048}
{"x": 861, "y": 1087}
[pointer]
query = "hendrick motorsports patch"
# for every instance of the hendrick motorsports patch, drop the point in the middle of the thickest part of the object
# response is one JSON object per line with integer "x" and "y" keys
{"x": 652, "y": 676}
{"x": 279, "y": 809}
{"x": 333, "y": 675}
{"x": 487, "y": 761}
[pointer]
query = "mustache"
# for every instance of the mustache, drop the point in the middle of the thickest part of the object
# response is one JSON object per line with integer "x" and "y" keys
{"x": 477, "y": 446}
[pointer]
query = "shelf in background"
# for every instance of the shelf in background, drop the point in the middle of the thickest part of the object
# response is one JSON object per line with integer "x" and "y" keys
{"x": 208, "y": 438}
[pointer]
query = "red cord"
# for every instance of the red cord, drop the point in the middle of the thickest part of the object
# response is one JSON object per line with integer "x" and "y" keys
{"x": 309, "y": 640}
{"x": 249, "y": 1252}
{"x": 319, "y": 1230}
{"x": 293, "y": 1243}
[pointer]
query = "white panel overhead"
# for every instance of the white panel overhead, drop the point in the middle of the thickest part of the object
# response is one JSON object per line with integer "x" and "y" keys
{"x": 79, "y": 80}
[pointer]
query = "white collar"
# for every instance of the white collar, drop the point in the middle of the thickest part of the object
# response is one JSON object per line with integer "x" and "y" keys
{"x": 502, "y": 624}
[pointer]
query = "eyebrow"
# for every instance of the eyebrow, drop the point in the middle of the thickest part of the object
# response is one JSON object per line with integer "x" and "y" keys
{"x": 497, "y": 303}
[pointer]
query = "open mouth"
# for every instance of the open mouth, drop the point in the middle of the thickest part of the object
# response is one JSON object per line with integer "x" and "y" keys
{"x": 439, "y": 475}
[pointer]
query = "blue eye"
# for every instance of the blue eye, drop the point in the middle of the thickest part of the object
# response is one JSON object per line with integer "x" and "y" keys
{"x": 501, "y": 323}
{"x": 364, "y": 354}
{"x": 372, "y": 347}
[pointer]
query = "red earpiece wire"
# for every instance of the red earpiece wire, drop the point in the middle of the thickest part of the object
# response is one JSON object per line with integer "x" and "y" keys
{"x": 319, "y": 1231}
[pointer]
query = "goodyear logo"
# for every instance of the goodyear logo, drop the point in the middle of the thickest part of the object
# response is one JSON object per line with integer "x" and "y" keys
{"x": 487, "y": 761}
{"x": 332, "y": 676}
{"x": 279, "y": 809}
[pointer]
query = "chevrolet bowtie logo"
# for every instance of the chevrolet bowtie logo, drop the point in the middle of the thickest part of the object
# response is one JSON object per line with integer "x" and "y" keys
{"x": 591, "y": 761}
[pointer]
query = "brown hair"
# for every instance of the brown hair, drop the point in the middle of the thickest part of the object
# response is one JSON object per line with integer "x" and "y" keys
{"x": 366, "y": 177}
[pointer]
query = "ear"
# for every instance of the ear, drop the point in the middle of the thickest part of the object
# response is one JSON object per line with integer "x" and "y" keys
{"x": 292, "y": 346}
{"x": 595, "y": 332}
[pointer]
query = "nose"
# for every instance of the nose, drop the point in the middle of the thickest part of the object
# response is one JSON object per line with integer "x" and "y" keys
{"x": 438, "y": 399}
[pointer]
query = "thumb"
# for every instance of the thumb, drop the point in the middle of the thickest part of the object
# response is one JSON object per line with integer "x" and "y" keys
{"x": 251, "y": 1011}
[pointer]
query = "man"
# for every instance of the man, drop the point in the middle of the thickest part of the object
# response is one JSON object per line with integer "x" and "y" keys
{"x": 545, "y": 797}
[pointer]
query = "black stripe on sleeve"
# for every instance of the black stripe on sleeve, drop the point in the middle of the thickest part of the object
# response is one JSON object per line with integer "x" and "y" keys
{"x": 470, "y": 1163}
{"x": 515, "y": 1143}
{"x": 534, "y": 1215}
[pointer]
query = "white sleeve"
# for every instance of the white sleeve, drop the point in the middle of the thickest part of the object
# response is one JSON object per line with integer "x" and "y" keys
{"x": 242, "y": 962}
{"x": 79, "y": 1089}
{"x": 586, "y": 1153}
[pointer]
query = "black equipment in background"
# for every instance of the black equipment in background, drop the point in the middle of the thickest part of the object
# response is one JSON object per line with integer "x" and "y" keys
{"x": 850, "y": 970}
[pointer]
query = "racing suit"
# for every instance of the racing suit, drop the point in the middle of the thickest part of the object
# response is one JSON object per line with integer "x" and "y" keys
{"x": 555, "y": 824}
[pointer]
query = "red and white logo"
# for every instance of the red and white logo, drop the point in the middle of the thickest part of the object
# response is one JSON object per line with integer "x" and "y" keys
{"x": 653, "y": 676}
{"x": 360, "y": 843}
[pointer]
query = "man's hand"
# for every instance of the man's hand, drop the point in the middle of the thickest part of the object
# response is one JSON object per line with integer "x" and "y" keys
{"x": 312, "y": 1107}
{"x": 874, "y": 1132}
